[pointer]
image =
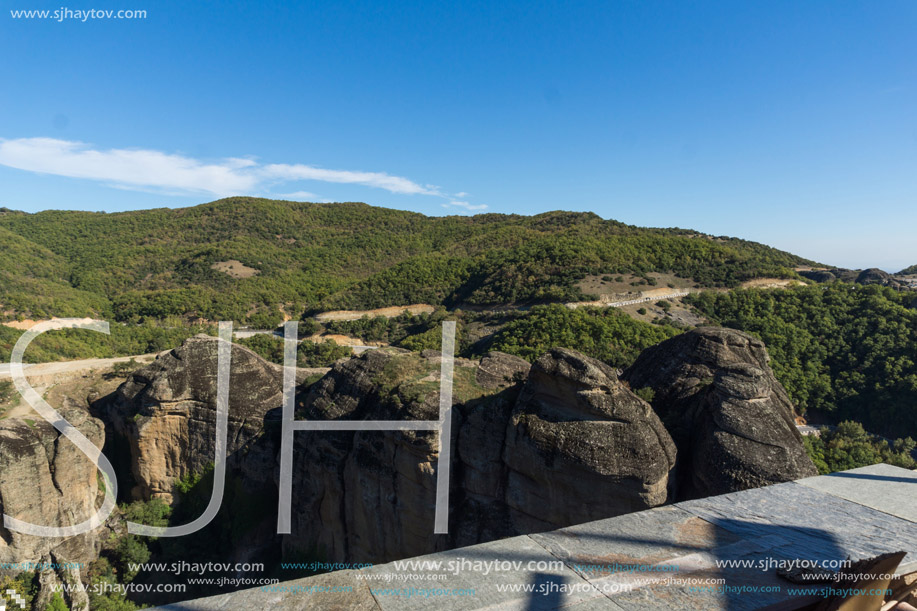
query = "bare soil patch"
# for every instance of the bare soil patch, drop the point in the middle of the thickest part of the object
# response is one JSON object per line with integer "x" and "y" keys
{"x": 235, "y": 269}
{"x": 415, "y": 309}
{"x": 769, "y": 283}
{"x": 620, "y": 287}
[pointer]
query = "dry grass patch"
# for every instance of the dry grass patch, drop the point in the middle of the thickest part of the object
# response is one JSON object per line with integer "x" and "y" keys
{"x": 235, "y": 268}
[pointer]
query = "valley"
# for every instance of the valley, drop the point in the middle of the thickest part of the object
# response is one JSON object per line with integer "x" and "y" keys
{"x": 590, "y": 355}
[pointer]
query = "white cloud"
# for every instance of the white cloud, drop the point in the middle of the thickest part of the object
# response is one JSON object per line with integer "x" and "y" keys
{"x": 465, "y": 205}
{"x": 171, "y": 173}
{"x": 395, "y": 184}
{"x": 139, "y": 168}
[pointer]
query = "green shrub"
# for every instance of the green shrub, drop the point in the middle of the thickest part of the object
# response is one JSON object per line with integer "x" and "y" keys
{"x": 849, "y": 446}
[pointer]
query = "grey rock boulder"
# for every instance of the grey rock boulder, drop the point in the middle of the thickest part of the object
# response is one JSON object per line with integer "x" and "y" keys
{"x": 729, "y": 416}
{"x": 581, "y": 446}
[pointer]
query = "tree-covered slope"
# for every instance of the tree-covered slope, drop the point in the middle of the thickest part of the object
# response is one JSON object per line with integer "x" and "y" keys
{"x": 34, "y": 280}
{"x": 908, "y": 270}
{"x": 303, "y": 256}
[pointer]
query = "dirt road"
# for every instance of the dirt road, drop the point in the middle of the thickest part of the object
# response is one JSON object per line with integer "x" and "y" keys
{"x": 64, "y": 367}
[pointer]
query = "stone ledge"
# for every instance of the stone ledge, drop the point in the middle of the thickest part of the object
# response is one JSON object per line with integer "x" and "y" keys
{"x": 858, "y": 513}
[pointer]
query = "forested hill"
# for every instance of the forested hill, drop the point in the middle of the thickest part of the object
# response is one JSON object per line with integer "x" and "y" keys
{"x": 908, "y": 271}
{"x": 242, "y": 258}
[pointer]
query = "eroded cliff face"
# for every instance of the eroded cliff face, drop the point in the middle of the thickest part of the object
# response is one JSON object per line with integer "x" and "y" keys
{"x": 46, "y": 480}
{"x": 533, "y": 447}
{"x": 167, "y": 413}
{"x": 568, "y": 444}
{"x": 731, "y": 420}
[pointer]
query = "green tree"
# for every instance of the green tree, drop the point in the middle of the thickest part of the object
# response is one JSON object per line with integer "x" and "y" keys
{"x": 604, "y": 333}
{"x": 129, "y": 552}
{"x": 849, "y": 446}
{"x": 57, "y": 603}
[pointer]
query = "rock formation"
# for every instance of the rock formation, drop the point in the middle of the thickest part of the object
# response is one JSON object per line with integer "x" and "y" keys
{"x": 581, "y": 446}
{"x": 875, "y": 275}
{"x": 46, "y": 480}
{"x": 573, "y": 445}
{"x": 818, "y": 275}
{"x": 533, "y": 447}
{"x": 167, "y": 412}
{"x": 872, "y": 275}
{"x": 729, "y": 416}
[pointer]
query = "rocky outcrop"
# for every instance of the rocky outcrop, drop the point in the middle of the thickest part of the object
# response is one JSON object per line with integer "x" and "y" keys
{"x": 46, "y": 480}
{"x": 731, "y": 420}
{"x": 571, "y": 444}
{"x": 875, "y": 275}
{"x": 167, "y": 412}
{"x": 347, "y": 485}
{"x": 872, "y": 275}
{"x": 581, "y": 446}
{"x": 534, "y": 448}
{"x": 818, "y": 275}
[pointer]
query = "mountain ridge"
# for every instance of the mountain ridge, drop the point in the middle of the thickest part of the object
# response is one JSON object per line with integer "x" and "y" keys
{"x": 306, "y": 257}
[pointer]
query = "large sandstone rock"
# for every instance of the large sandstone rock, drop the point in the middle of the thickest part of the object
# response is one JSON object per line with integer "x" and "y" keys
{"x": 729, "y": 416}
{"x": 167, "y": 412}
{"x": 481, "y": 442}
{"x": 370, "y": 495}
{"x": 46, "y": 480}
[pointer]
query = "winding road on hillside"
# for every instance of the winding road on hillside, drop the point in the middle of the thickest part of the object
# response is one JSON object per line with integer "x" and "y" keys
{"x": 621, "y": 304}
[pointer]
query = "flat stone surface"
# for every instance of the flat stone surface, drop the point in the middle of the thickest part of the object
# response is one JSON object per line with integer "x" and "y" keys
{"x": 338, "y": 591}
{"x": 664, "y": 557}
{"x": 857, "y": 514}
{"x": 869, "y": 486}
{"x": 472, "y": 568}
{"x": 633, "y": 543}
{"x": 818, "y": 525}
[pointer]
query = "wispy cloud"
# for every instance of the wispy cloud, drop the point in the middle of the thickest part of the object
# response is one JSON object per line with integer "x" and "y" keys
{"x": 297, "y": 196}
{"x": 395, "y": 184}
{"x": 465, "y": 205}
{"x": 172, "y": 173}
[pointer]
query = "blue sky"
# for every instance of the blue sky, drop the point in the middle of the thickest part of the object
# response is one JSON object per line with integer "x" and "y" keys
{"x": 789, "y": 123}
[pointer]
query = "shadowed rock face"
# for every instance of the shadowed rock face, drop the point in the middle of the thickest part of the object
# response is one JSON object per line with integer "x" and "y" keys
{"x": 372, "y": 495}
{"x": 729, "y": 416}
{"x": 818, "y": 275}
{"x": 574, "y": 445}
